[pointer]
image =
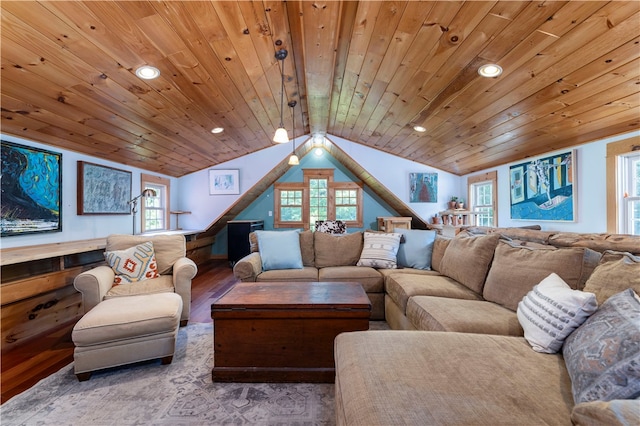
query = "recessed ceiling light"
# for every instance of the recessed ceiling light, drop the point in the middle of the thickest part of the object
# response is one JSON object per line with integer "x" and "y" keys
{"x": 490, "y": 70}
{"x": 419, "y": 129}
{"x": 217, "y": 130}
{"x": 148, "y": 72}
{"x": 318, "y": 152}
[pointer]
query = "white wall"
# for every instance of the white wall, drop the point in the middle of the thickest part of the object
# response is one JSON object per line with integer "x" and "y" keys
{"x": 591, "y": 189}
{"x": 391, "y": 171}
{"x": 83, "y": 227}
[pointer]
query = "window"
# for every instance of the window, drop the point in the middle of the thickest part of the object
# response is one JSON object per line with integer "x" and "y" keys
{"x": 482, "y": 198}
{"x": 630, "y": 203}
{"x": 620, "y": 209}
{"x": 155, "y": 210}
{"x": 301, "y": 204}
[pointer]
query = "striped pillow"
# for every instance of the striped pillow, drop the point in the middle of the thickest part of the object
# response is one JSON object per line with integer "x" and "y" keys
{"x": 380, "y": 250}
{"x": 551, "y": 311}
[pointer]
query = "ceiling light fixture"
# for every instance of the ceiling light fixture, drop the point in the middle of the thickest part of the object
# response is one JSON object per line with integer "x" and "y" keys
{"x": 148, "y": 72}
{"x": 490, "y": 70}
{"x": 419, "y": 129}
{"x": 281, "y": 135}
{"x": 217, "y": 130}
{"x": 293, "y": 160}
{"x": 318, "y": 152}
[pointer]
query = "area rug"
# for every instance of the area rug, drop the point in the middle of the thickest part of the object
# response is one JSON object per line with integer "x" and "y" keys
{"x": 181, "y": 393}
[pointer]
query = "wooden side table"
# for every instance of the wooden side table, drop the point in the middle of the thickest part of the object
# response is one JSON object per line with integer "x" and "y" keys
{"x": 389, "y": 223}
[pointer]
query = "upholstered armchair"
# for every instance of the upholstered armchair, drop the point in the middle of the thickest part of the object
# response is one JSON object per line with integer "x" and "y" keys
{"x": 175, "y": 272}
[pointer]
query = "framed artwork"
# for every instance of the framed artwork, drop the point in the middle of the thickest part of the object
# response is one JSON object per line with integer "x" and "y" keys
{"x": 224, "y": 182}
{"x": 423, "y": 187}
{"x": 31, "y": 190}
{"x": 103, "y": 189}
{"x": 544, "y": 189}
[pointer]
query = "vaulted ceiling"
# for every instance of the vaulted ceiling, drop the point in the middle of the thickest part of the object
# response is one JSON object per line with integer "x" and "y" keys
{"x": 365, "y": 71}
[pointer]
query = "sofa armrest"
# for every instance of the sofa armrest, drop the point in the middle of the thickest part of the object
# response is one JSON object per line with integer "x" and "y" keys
{"x": 184, "y": 269}
{"x": 248, "y": 268}
{"x": 94, "y": 284}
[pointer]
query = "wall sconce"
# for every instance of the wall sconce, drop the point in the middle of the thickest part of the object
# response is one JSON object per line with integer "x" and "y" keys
{"x": 148, "y": 192}
{"x": 281, "y": 135}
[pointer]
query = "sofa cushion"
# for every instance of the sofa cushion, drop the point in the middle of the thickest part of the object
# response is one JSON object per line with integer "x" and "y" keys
{"x": 610, "y": 336}
{"x": 463, "y": 316}
{"x": 280, "y": 249}
{"x": 306, "y": 274}
{"x": 168, "y": 248}
{"x": 551, "y": 311}
{"x": 134, "y": 264}
{"x": 440, "y": 245}
{"x": 380, "y": 250}
{"x": 337, "y": 250}
{"x": 415, "y": 248}
{"x": 616, "y": 271}
{"x": 162, "y": 284}
{"x": 306, "y": 246}
{"x": 401, "y": 286}
{"x": 371, "y": 280}
{"x": 467, "y": 260}
{"x": 430, "y": 378}
{"x": 516, "y": 269}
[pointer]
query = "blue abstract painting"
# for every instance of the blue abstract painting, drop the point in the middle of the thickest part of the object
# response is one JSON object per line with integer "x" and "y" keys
{"x": 31, "y": 190}
{"x": 423, "y": 187}
{"x": 544, "y": 189}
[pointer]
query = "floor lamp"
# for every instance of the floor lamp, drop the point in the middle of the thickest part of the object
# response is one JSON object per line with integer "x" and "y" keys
{"x": 134, "y": 204}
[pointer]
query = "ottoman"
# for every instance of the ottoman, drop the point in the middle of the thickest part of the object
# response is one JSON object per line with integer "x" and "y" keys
{"x": 125, "y": 330}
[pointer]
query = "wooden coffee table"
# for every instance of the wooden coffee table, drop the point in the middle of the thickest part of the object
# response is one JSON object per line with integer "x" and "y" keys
{"x": 284, "y": 331}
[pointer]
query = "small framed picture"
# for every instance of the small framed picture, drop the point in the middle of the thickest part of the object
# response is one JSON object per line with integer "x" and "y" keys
{"x": 224, "y": 182}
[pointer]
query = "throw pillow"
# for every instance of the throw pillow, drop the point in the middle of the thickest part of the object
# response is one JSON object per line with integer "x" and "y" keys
{"x": 616, "y": 271}
{"x": 467, "y": 260}
{"x": 415, "y": 251}
{"x": 516, "y": 269}
{"x": 134, "y": 264}
{"x": 337, "y": 250}
{"x": 603, "y": 354}
{"x": 551, "y": 311}
{"x": 380, "y": 250}
{"x": 279, "y": 249}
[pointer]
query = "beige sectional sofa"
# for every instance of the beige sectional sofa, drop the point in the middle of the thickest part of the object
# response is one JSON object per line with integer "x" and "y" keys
{"x": 457, "y": 354}
{"x": 460, "y": 357}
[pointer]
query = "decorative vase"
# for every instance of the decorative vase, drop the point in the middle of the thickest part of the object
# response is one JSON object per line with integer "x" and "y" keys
{"x": 452, "y": 205}
{"x": 460, "y": 205}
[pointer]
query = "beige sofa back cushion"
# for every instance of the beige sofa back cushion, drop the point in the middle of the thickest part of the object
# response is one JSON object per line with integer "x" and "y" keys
{"x": 467, "y": 260}
{"x": 306, "y": 246}
{"x": 168, "y": 248}
{"x": 440, "y": 245}
{"x": 337, "y": 250}
{"x": 616, "y": 272}
{"x": 516, "y": 269}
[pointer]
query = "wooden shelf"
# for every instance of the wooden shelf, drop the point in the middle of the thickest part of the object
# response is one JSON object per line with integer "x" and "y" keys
{"x": 11, "y": 256}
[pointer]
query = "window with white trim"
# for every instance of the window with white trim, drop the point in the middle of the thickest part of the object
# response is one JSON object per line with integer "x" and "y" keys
{"x": 483, "y": 198}
{"x": 630, "y": 190}
{"x": 155, "y": 209}
{"x": 318, "y": 197}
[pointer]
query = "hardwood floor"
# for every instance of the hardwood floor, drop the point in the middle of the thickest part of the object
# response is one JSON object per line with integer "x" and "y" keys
{"x": 26, "y": 365}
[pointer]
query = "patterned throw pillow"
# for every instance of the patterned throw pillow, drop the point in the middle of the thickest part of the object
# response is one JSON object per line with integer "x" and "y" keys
{"x": 551, "y": 311}
{"x": 380, "y": 250}
{"x": 133, "y": 264}
{"x": 603, "y": 354}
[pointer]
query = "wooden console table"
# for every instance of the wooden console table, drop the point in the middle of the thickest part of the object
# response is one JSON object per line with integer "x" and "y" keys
{"x": 389, "y": 223}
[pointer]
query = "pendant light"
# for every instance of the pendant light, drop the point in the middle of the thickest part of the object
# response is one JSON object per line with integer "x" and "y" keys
{"x": 281, "y": 135}
{"x": 293, "y": 160}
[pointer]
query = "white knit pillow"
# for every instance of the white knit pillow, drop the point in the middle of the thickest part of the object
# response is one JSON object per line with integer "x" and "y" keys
{"x": 551, "y": 311}
{"x": 380, "y": 250}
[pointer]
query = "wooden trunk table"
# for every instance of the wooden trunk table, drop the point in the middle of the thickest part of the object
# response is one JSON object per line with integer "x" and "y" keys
{"x": 284, "y": 331}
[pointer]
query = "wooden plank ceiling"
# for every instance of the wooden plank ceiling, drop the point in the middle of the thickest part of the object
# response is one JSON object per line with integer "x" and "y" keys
{"x": 366, "y": 71}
